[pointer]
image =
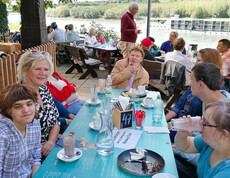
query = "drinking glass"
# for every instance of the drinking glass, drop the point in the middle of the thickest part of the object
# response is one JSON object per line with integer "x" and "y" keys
{"x": 69, "y": 142}
{"x": 93, "y": 95}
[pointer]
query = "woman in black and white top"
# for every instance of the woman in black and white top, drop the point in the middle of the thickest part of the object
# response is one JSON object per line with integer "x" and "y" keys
{"x": 34, "y": 68}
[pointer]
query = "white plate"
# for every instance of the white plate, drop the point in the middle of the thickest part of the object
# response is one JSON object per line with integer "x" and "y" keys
{"x": 92, "y": 126}
{"x": 145, "y": 106}
{"x": 89, "y": 102}
{"x": 163, "y": 175}
{"x": 61, "y": 155}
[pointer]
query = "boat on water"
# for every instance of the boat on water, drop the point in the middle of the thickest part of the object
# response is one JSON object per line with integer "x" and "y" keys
{"x": 193, "y": 25}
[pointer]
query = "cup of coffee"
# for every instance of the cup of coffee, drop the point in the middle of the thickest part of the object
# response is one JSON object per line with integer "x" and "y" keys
{"x": 141, "y": 89}
{"x": 148, "y": 101}
{"x": 69, "y": 142}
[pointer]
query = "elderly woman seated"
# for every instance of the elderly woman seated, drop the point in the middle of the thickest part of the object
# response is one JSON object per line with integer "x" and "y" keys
{"x": 129, "y": 73}
{"x": 213, "y": 143}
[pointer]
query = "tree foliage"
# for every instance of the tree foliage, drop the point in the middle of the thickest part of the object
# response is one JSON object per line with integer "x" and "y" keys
{"x": 3, "y": 19}
{"x": 48, "y": 3}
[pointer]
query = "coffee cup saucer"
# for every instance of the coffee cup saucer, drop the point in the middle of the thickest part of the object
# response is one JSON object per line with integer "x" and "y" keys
{"x": 91, "y": 125}
{"x": 61, "y": 155}
{"x": 90, "y": 102}
{"x": 146, "y": 106}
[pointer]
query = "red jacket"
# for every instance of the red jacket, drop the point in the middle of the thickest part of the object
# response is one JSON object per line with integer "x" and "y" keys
{"x": 128, "y": 27}
{"x": 61, "y": 95}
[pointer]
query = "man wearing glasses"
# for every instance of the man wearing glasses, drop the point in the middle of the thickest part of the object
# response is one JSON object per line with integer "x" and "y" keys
{"x": 206, "y": 81}
{"x": 129, "y": 30}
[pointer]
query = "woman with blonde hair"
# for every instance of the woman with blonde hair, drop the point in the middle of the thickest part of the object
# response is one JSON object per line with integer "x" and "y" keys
{"x": 90, "y": 39}
{"x": 34, "y": 68}
{"x": 209, "y": 55}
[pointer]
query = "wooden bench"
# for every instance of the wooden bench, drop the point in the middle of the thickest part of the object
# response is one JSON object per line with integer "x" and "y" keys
{"x": 74, "y": 52}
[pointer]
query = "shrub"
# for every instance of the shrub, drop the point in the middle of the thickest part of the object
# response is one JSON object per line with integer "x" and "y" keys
{"x": 63, "y": 11}
{"x": 222, "y": 12}
{"x": 114, "y": 13}
{"x": 200, "y": 13}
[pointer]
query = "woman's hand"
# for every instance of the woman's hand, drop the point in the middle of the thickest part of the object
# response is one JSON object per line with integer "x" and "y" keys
{"x": 47, "y": 147}
{"x": 71, "y": 116}
{"x": 184, "y": 133}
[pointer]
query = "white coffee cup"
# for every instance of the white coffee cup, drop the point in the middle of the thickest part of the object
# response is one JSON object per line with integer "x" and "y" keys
{"x": 141, "y": 89}
{"x": 148, "y": 101}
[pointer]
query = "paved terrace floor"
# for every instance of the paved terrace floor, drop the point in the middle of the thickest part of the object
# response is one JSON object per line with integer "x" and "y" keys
{"x": 83, "y": 86}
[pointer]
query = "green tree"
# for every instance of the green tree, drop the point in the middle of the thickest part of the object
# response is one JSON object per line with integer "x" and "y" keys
{"x": 48, "y": 3}
{"x": 200, "y": 13}
{"x": 222, "y": 12}
{"x": 3, "y": 19}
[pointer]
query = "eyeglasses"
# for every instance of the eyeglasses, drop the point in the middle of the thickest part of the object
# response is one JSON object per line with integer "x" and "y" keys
{"x": 207, "y": 125}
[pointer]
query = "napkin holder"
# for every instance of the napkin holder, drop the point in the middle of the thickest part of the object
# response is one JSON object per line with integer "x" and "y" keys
{"x": 122, "y": 119}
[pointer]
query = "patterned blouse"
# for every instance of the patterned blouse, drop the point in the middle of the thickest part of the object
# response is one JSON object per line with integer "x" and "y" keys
{"x": 50, "y": 116}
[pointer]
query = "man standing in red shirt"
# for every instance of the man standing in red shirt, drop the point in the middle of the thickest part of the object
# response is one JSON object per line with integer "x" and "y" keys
{"x": 128, "y": 29}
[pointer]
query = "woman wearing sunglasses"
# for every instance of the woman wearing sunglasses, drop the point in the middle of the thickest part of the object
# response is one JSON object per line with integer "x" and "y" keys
{"x": 34, "y": 68}
{"x": 213, "y": 144}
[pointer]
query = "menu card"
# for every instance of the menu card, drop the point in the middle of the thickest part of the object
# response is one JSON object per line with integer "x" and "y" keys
{"x": 126, "y": 138}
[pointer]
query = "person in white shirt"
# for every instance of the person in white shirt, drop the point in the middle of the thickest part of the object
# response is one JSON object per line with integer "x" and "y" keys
{"x": 57, "y": 35}
{"x": 177, "y": 56}
{"x": 90, "y": 39}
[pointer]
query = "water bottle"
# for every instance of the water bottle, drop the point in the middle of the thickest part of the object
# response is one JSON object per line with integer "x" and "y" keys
{"x": 110, "y": 42}
{"x": 158, "y": 110}
{"x": 105, "y": 141}
{"x": 108, "y": 89}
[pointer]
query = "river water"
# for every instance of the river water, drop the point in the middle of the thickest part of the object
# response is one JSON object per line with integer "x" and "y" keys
{"x": 204, "y": 40}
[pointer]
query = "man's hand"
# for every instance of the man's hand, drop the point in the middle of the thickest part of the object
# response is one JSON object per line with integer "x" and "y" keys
{"x": 47, "y": 147}
{"x": 162, "y": 52}
{"x": 137, "y": 31}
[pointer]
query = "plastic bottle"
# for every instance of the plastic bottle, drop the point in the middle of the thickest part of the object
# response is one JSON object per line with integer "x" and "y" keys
{"x": 108, "y": 89}
{"x": 158, "y": 110}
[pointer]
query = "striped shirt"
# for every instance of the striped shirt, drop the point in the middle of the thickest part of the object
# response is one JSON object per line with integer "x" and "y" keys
{"x": 18, "y": 154}
{"x": 226, "y": 64}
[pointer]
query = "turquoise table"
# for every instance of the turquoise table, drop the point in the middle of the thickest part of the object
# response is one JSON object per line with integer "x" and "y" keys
{"x": 91, "y": 164}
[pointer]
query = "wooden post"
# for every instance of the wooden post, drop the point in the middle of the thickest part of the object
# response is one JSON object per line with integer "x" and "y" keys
{"x": 33, "y": 20}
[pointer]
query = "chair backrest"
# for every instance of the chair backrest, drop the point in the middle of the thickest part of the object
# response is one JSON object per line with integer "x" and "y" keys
{"x": 152, "y": 67}
{"x": 173, "y": 76}
{"x": 60, "y": 46}
{"x": 74, "y": 51}
{"x": 80, "y": 43}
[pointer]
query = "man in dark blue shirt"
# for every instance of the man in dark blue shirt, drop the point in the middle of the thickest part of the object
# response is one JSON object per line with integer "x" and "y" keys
{"x": 167, "y": 46}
